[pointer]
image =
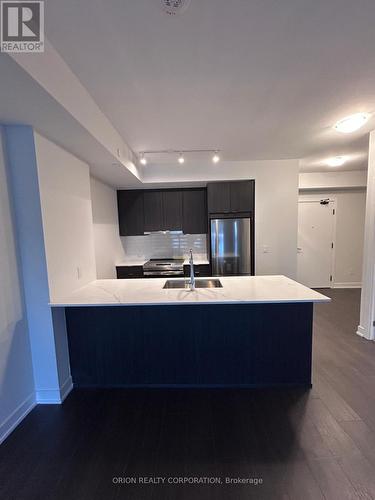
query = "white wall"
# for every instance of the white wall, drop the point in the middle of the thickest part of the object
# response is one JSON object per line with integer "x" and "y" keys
{"x": 108, "y": 248}
{"x": 350, "y": 223}
{"x": 366, "y": 326}
{"x": 48, "y": 346}
{"x": 16, "y": 373}
{"x": 64, "y": 184}
{"x": 276, "y": 205}
{"x": 333, "y": 180}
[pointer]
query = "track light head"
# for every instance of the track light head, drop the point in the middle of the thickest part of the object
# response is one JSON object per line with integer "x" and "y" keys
{"x": 181, "y": 159}
{"x": 143, "y": 159}
{"x": 216, "y": 157}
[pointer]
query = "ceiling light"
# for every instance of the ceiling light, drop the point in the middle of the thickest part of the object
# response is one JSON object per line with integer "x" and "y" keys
{"x": 181, "y": 159}
{"x": 352, "y": 123}
{"x": 143, "y": 160}
{"x": 216, "y": 157}
{"x": 336, "y": 161}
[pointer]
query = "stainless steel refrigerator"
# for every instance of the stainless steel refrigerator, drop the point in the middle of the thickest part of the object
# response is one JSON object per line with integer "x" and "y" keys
{"x": 231, "y": 247}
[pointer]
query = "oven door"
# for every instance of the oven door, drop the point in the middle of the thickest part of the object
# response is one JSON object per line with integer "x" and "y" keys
{"x": 161, "y": 274}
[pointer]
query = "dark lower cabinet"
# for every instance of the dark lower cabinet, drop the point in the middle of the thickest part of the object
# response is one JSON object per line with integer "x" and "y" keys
{"x": 125, "y": 272}
{"x": 200, "y": 270}
{"x": 194, "y": 211}
{"x": 131, "y": 212}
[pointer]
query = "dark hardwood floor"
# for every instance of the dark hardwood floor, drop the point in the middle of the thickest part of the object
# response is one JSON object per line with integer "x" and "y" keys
{"x": 313, "y": 444}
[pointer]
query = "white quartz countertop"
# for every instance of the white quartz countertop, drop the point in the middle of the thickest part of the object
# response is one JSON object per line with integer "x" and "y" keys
{"x": 238, "y": 289}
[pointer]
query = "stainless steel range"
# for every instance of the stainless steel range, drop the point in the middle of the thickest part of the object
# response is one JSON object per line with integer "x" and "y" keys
{"x": 156, "y": 268}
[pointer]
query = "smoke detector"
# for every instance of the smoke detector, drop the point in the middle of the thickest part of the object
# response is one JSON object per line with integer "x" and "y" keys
{"x": 173, "y": 7}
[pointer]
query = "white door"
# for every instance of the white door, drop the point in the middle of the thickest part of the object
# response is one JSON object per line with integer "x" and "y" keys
{"x": 315, "y": 243}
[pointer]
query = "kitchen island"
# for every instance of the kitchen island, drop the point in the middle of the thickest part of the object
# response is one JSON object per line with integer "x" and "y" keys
{"x": 254, "y": 331}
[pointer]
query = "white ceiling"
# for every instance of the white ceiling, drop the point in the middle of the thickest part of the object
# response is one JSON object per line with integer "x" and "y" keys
{"x": 258, "y": 79}
{"x": 23, "y": 101}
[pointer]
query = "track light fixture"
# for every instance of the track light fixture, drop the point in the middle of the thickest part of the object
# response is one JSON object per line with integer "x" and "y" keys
{"x": 181, "y": 154}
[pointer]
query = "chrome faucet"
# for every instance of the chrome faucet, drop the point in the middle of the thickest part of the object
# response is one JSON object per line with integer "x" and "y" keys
{"x": 192, "y": 277}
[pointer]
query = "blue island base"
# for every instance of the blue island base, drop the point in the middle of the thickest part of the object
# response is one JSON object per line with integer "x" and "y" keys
{"x": 203, "y": 345}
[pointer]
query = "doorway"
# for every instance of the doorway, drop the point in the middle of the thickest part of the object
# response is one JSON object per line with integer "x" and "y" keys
{"x": 316, "y": 245}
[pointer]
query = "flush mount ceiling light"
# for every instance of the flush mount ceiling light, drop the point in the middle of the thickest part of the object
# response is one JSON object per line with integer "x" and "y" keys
{"x": 352, "y": 123}
{"x": 143, "y": 160}
{"x": 336, "y": 161}
{"x": 181, "y": 159}
{"x": 173, "y": 7}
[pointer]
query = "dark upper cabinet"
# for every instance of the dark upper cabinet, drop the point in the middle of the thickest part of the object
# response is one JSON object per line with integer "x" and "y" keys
{"x": 172, "y": 210}
{"x": 143, "y": 211}
{"x": 163, "y": 210}
{"x": 194, "y": 211}
{"x": 218, "y": 197}
{"x": 242, "y": 196}
{"x": 230, "y": 197}
{"x": 131, "y": 212}
{"x": 153, "y": 211}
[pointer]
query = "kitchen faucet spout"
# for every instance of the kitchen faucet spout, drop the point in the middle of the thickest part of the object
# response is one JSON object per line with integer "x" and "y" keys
{"x": 192, "y": 277}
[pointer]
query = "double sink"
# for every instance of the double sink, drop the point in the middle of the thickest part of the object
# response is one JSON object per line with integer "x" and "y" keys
{"x": 199, "y": 283}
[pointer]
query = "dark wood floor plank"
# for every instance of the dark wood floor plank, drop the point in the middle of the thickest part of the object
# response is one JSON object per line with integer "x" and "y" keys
{"x": 339, "y": 443}
{"x": 352, "y": 391}
{"x": 337, "y": 406}
{"x": 363, "y": 436}
{"x": 301, "y": 483}
{"x": 361, "y": 475}
{"x": 332, "y": 480}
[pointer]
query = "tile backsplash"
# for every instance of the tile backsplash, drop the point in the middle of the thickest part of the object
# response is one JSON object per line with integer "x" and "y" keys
{"x": 157, "y": 245}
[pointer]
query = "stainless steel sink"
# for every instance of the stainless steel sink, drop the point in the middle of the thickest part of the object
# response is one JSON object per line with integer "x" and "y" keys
{"x": 199, "y": 283}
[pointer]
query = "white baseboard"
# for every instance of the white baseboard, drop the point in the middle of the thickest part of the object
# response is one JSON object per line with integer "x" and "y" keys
{"x": 362, "y": 332}
{"x": 16, "y": 417}
{"x": 48, "y": 397}
{"x": 40, "y": 397}
{"x": 66, "y": 388}
{"x": 352, "y": 284}
{"x": 54, "y": 396}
